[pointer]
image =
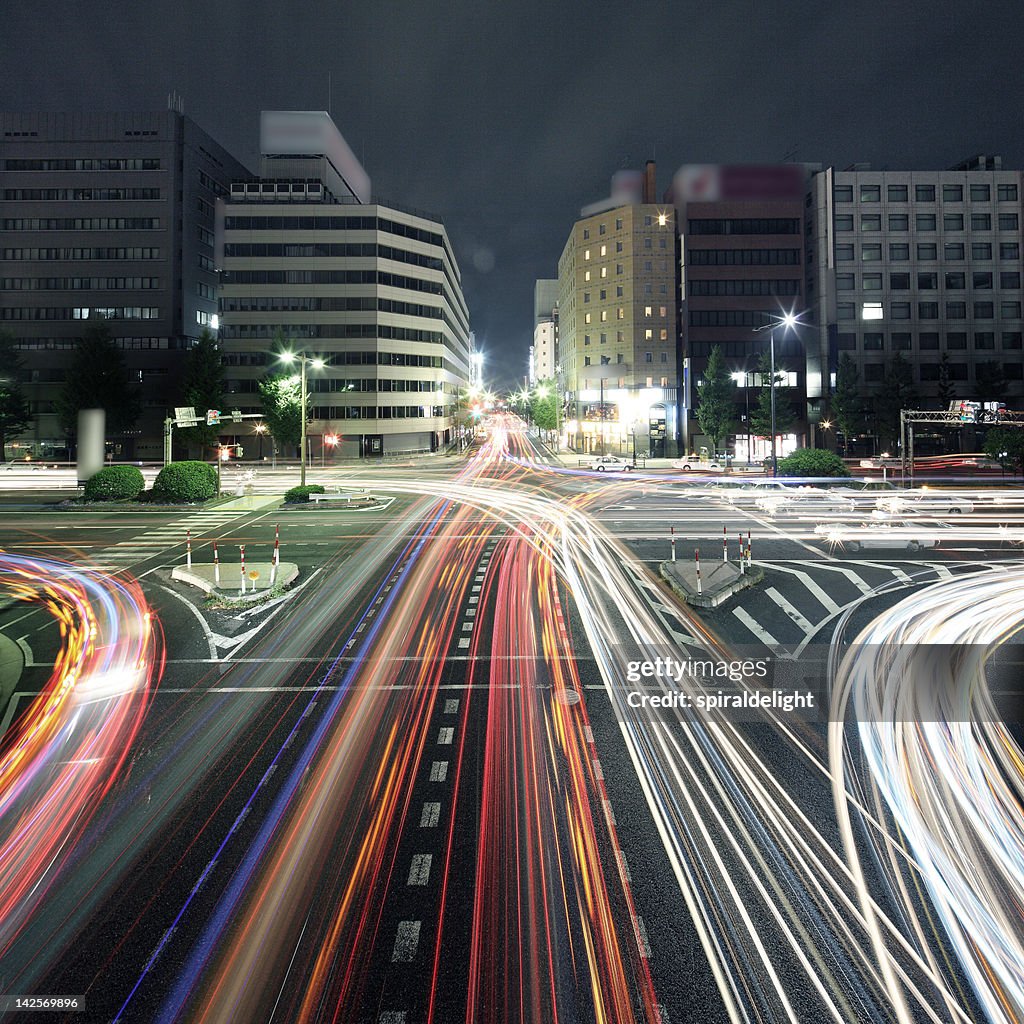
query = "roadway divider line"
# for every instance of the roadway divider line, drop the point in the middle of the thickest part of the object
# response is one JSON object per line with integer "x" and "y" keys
{"x": 802, "y": 623}
{"x": 757, "y": 629}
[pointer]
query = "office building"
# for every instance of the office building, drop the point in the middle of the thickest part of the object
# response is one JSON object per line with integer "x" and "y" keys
{"x": 543, "y": 353}
{"x": 112, "y": 216}
{"x": 309, "y": 258}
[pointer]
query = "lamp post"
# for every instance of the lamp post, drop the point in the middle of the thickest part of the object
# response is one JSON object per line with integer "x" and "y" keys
{"x": 260, "y": 429}
{"x": 787, "y": 320}
{"x": 741, "y": 375}
{"x": 318, "y": 364}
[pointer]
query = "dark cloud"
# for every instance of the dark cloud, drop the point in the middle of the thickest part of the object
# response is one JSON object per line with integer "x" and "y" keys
{"x": 504, "y": 118}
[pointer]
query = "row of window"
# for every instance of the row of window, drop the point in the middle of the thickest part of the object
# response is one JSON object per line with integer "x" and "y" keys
{"x": 980, "y": 193}
{"x": 372, "y": 385}
{"x": 928, "y": 222}
{"x": 743, "y": 257}
{"x": 648, "y": 222}
{"x": 80, "y": 224}
{"x": 740, "y": 287}
{"x": 620, "y": 336}
{"x": 80, "y": 313}
{"x": 380, "y": 412}
{"x": 731, "y": 317}
{"x": 928, "y": 341}
{"x": 620, "y": 358}
{"x": 414, "y": 284}
{"x": 928, "y": 280}
{"x": 75, "y": 194}
{"x": 620, "y": 269}
{"x": 329, "y": 250}
{"x": 83, "y": 253}
{"x": 930, "y": 311}
{"x": 331, "y": 331}
{"x": 86, "y": 164}
{"x": 899, "y": 252}
{"x": 338, "y": 304}
{"x": 745, "y": 226}
{"x": 70, "y": 343}
{"x": 621, "y": 247}
{"x": 78, "y": 283}
{"x": 235, "y": 222}
{"x": 594, "y": 383}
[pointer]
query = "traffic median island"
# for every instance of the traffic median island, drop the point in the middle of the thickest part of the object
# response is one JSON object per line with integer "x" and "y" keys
{"x": 711, "y": 585}
{"x": 227, "y": 583}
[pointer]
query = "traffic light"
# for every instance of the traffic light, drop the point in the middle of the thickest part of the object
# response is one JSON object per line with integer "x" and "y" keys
{"x": 212, "y": 417}
{"x": 239, "y": 451}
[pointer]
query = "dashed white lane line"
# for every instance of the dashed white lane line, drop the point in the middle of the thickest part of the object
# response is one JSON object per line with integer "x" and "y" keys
{"x": 807, "y": 580}
{"x": 419, "y": 870}
{"x": 802, "y": 623}
{"x": 475, "y": 599}
{"x": 641, "y": 937}
{"x": 598, "y": 770}
{"x": 399, "y": 1017}
{"x": 467, "y": 627}
{"x": 438, "y": 771}
{"x": 755, "y": 627}
{"x": 451, "y": 707}
{"x": 475, "y": 590}
{"x": 852, "y": 576}
{"x": 463, "y": 643}
{"x": 445, "y": 736}
{"x": 430, "y": 815}
{"x": 470, "y": 612}
{"x": 407, "y": 941}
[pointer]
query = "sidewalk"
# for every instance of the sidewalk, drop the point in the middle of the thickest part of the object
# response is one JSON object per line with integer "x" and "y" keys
{"x": 719, "y": 581}
{"x": 12, "y": 663}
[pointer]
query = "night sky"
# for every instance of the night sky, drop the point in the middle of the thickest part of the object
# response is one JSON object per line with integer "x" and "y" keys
{"x": 503, "y": 119}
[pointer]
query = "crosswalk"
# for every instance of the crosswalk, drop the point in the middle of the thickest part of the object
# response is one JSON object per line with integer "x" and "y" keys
{"x": 144, "y": 545}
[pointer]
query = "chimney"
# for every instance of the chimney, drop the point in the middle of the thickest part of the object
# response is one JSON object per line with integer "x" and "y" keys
{"x": 649, "y": 183}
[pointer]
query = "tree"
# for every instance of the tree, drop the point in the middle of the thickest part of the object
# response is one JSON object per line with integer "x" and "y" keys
{"x": 946, "y": 390}
{"x": 897, "y": 392}
{"x": 203, "y": 388}
{"x": 847, "y": 400}
{"x": 992, "y": 384}
{"x": 715, "y": 410}
{"x": 761, "y": 414}
{"x": 281, "y": 394}
{"x": 1006, "y": 446}
{"x": 544, "y": 404}
{"x": 15, "y": 416}
{"x": 99, "y": 378}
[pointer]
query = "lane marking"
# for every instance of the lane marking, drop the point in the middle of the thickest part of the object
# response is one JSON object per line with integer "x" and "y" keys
{"x": 445, "y": 736}
{"x": 438, "y": 771}
{"x": 451, "y": 706}
{"x": 801, "y": 622}
{"x": 430, "y": 815}
{"x": 407, "y": 941}
{"x": 419, "y": 870}
{"x": 756, "y": 628}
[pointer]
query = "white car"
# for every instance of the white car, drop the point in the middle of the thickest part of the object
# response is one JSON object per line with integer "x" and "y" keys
{"x": 749, "y": 492}
{"x": 805, "y": 501}
{"x": 915, "y": 502}
{"x": 611, "y": 464}
{"x": 892, "y": 535}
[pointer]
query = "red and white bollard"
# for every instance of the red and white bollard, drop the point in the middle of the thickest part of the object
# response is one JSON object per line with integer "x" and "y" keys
{"x": 188, "y": 549}
{"x": 725, "y": 543}
{"x": 216, "y": 565}
{"x": 748, "y": 550}
{"x": 672, "y": 532}
{"x": 275, "y": 561}
{"x": 696, "y": 559}
{"x": 241, "y": 548}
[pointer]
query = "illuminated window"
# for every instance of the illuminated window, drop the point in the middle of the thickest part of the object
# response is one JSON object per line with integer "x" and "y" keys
{"x": 662, "y": 311}
{"x": 620, "y": 313}
{"x": 586, "y": 276}
{"x": 663, "y": 334}
{"x": 871, "y": 311}
{"x": 648, "y": 334}
{"x": 586, "y": 254}
{"x": 604, "y": 250}
{"x": 648, "y": 310}
{"x": 604, "y": 315}
{"x": 604, "y": 271}
{"x": 586, "y": 318}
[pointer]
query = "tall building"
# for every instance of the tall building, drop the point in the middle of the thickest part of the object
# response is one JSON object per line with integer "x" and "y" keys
{"x": 742, "y": 265}
{"x": 617, "y": 322}
{"x": 545, "y": 330}
{"x": 308, "y": 257}
{"x": 112, "y": 216}
{"x": 925, "y": 265}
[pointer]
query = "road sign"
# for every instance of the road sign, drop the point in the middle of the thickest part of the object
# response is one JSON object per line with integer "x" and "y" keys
{"x": 212, "y": 417}
{"x": 185, "y": 416}
{"x": 236, "y": 415}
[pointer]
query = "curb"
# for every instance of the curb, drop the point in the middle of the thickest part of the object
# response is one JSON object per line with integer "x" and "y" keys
{"x": 289, "y": 572}
{"x": 711, "y": 600}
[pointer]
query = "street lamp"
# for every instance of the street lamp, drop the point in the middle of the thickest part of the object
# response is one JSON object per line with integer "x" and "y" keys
{"x": 260, "y": 429}
{"x": 786, "y": 321}
{"x": 317, "y": 364}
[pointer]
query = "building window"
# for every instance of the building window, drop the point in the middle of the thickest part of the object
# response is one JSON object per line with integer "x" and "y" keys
{"x": 929, "y": 372}
{"x": 873, "y": 372}
{"x": 618, "y": 291}
{"x": 618, "y": 223}
{"x": 1011, "y": 340}
{"x": 603, "y": 294}
{"x": 604, "y": 271}
{"x": 619, "y": 337}
{"x": 984, "y": 310}
{"x": 586, "y": 362}
{"x": 924, "y": 193}
{"x": 1009, "y": 251}
{"x": 648, "y": 334}
{"x": 1009, "y": 310}
{"x": 980, "y": 193}
{"x": 586, "y": 340}
{"x": 586, "y": 296}
{"x": 1013, "y": 371}
{"x": 664, "y": 357}
{"x": 586, "y": 275}
{"x": 647, "y": 221}
{"x": 1009, "y": 279}
{"x": 870, "y": 253}
{"x": 981, "y": 222}
{"x": 845, "y": 311}
{"x": 899, "y": 310}
{"x": 956, "y": 310}
{"x": 619, "y": 246}
{"x": 928, "y": 341}
{"x": 952, "y": 193}
{"x": 844, "y": 222}
{"x": 604, "y": 316}
{"x": 899, "y": 282}
{"x": 663, "y": 334}
{"x": 897, "y": 193}
{"x": 928, "y": 281}
{"x": 600, "y": 229}
{"x": 873, "y": 341}
{"x": 620, "y": 313}
{"x": 901, "y": 341}
{"x": 604, "y": 250}
{"x": 952, "y": 222}
{"x": 586, "y": 234}
{"x": 604, "y": 338}
{"x": 953, "y": 251}
{"x": 956, "y": 340}
{"x": 662, "y": 311}
{"x": 843, "y": 193}
{"x": 648, "y": 357}
{"x": 927, "y": 251}
{"x": 844, "y": 253}
{"x": 871, "y": 222}
{"x": 899, "y": 252}
{"x": 925, "y": 222}
{"x": 981, "y": 250}
{"x": 958, "y": 371}
{"x": 899, "y": 222}
{"x": 956, "y": 280}
{"x": 1007, "y": 193}
{"x": 984, "y": 341}
{"x": 871, "y": 193}
{"x": 586, "y": 318}
{"x": 1008, "y": 222}
{"x": 872, "y": 282}
{"x": 586, "y": 254}
{"x": 845, "y": 282}
{"x": 648, "y": 310}
{"x": 982, "y": 279}
{"x": 928, "y": 311}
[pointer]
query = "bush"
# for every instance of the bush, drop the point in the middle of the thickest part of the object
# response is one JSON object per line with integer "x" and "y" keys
{"x": 185, "y": 481}
{"x": 812, "y": 462}
{"x": 115, "y": 483}
{"x": 297, "y": 494}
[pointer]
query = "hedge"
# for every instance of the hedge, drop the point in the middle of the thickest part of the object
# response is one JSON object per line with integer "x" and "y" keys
{"x": 115, "y": 483}
{"x": 297, "y": 494}
{"x": 185, "y": 481}
{"x": 812, "y": 462}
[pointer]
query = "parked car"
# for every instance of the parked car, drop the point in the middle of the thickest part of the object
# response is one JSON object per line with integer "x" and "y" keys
{"x": 610, "y": 464}
{"x": 690, "y": 464}
{"x": 889, "y": 535}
